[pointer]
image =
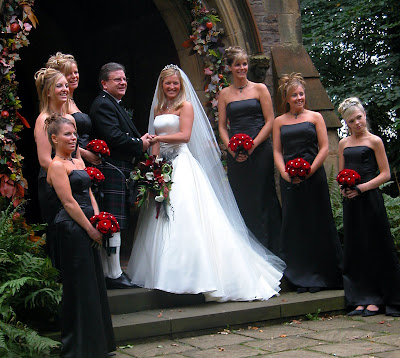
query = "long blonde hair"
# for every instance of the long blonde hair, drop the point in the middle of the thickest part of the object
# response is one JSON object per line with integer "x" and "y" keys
{"x": 287, "y": 84}
{"x": 45, "y": 81}
{"x": 162, "y": 98}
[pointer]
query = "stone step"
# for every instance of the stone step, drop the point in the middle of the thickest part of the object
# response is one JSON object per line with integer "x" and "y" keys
{"x": 170, "y": 320}
{"x": 142, "y": 299}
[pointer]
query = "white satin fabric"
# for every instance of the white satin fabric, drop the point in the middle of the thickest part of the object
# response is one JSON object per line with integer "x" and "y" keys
{"x": 196, "y": 250}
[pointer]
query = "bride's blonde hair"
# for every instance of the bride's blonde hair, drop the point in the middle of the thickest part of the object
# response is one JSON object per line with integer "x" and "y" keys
{"x": 161, "y": 97}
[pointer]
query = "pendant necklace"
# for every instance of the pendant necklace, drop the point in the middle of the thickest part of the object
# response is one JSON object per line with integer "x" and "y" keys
{"x": 69, "y": 159}
{"x": 241, "y": 87}
{"x": 169, "y": 105}
{"x": 296, "y": 114}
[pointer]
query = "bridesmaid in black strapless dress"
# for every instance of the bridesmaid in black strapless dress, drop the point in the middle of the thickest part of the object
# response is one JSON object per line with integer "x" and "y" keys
{"x": 86, "y": 327}
{"x": 246, "y": 107}
{"x": 371, "y": 266}
{"x": 309, "y": 245}
{"x": 252, "y": 181}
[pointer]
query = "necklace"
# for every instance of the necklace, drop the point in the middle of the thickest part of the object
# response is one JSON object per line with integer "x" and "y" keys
{"x": 241, "y": 87}
{"x": 297, "y": 114}
{"x": 169, "y": 105}
{"x": 69, "y": 159}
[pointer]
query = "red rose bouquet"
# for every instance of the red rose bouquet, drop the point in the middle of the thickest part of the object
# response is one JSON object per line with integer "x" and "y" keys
{"x": 96, "y": 176}
{"x": 152, "y": 178}
{"x": 99, "y": 147}
{"x": 240, "y": 143}
{"x": 107, "y": 224}
{"x": 298, "y": 167}
{"x": 348, "y": 179}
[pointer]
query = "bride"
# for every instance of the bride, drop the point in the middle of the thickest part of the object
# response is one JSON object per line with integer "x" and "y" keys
{"x": 202, "y": 245}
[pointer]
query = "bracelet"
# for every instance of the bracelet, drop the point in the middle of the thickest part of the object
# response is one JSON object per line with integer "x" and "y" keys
{"x": 358, "y": 190}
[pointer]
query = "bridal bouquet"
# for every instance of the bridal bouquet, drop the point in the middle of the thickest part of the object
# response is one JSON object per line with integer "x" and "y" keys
{"x": 153, "y": 180}
{"x": 298, "y": 167}
{"x": 99, "y": 147}
{"x": 348, "y": 179}
{"x": 107, "y": 224}
{"x": 240, "y": 143}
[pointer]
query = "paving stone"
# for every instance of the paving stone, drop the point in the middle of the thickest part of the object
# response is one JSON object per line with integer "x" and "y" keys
{"x": 393, "y": 339}
{"x": 157, "y": 348}
{"x": 352, "y": 349}
{"x": 299, "y": 353}
{"x": 283, "y": 344}
{"x": 233, "y": 351}
{"x": 392, "y": 354}
{"x": 335, "y": 322}
{"x": 272, "y": 331}
{"x": 215, "y": 340}
{"x": 342, "y": 334}
{"x": 383, "y": 326}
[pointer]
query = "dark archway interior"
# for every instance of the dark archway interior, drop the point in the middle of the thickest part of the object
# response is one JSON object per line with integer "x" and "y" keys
{"x": 95, "y": 32}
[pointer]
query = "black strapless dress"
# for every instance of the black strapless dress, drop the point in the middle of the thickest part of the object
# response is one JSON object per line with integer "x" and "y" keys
{"x": 252, "y": 181}
{"x": 86, "y": 327}
{"x": 84, "y": 128}
{"x": 309, "y": 242}
{"x": 371, "y": 266}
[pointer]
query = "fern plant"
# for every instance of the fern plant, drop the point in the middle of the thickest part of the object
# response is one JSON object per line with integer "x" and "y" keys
{"x": 29, "y": 292}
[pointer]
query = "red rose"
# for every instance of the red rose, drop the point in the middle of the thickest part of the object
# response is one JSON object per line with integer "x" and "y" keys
{"x": 348, "y": 178}
{"x": 104, "y": 226}
{"x": 98, "y": 146}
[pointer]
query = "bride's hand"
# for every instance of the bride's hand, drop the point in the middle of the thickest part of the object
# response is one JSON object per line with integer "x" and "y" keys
{"x": 153, "y": 139}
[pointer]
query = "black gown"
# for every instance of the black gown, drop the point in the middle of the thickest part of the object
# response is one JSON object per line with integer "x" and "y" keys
{"x": 86, "y": 327}
{"x": 309, "y": 242}
{"x": 252, "y": 181}
{"x": 83, "y": 127}
{"x": 371, "y": 266}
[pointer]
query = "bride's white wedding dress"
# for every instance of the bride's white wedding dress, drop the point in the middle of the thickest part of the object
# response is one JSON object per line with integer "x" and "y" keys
{"x": 196, "y": 250}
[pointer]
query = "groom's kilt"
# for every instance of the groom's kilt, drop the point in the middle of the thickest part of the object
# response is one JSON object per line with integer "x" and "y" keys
{"x": 115, "y": 199}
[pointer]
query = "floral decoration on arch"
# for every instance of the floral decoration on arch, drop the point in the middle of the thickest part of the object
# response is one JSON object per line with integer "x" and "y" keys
{"x": 205, "y": 41}
{"x": 17, "y": 20}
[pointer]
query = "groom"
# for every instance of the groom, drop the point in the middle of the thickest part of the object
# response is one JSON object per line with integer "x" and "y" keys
{"x": 112, "y": 123}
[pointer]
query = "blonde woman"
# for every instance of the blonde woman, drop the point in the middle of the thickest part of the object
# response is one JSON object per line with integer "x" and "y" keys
{"x": 247, "y": 106}
{"x": 371, "y": 266}
{"x": 309, "y": 242}
{"x": 52, "y": 88}
{"x": 67, "y": 65}
{"x": 203, "y": 246}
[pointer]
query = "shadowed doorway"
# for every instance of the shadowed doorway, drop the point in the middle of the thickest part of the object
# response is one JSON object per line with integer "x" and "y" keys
{"x": 95, "y": 32}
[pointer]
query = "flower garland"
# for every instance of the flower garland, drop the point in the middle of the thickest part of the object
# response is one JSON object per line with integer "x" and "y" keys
{"x": 205, "y": 41}
{"x": 17, "y": 20}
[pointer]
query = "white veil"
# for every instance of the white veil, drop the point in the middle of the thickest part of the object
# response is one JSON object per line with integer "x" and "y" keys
{"x": 205, "y": 149}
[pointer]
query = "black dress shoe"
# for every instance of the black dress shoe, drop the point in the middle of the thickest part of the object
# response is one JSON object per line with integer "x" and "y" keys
{"x": 368, "y": 313}
{"x": 122, "y": 281}
{"x": 356, "y": 313}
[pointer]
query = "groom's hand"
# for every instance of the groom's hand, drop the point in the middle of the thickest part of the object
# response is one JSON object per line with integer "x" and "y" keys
{"x": 145, "y": 141}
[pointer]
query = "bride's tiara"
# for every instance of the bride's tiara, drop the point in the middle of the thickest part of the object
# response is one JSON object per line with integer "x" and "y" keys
{"x": 175, "y": 67}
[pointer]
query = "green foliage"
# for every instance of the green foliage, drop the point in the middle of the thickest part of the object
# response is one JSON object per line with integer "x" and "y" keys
{"x": 336, "y": 203}
{"x": 393, "y": 210}
{"x": 355, "y": 46}
{"x": 29, "y": 292}
{"x": 314, "y": 316}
